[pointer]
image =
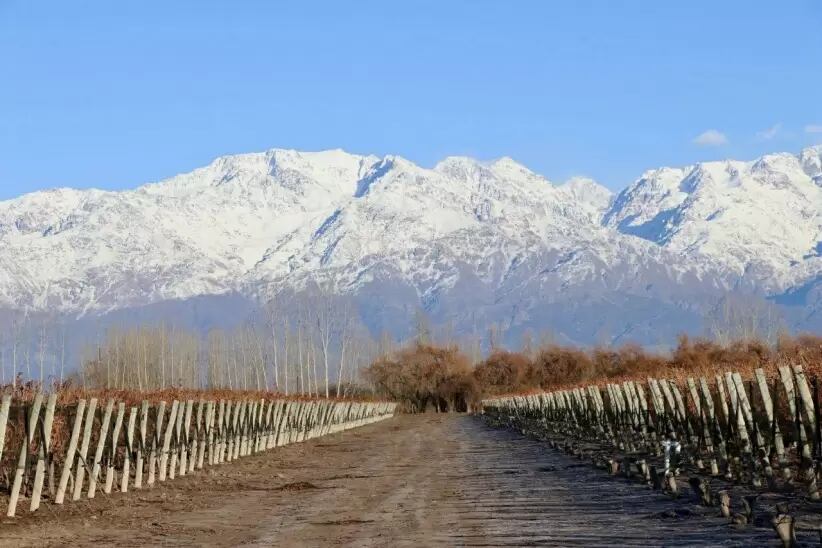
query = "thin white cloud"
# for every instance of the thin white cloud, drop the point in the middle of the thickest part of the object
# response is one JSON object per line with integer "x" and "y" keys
{"x": 770, "y": 133}
{"x": 813, "y": 128}
{"x": 711, "y": 138}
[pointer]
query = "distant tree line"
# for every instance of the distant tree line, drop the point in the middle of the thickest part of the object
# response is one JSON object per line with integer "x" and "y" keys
{"x": 425, "y": 377}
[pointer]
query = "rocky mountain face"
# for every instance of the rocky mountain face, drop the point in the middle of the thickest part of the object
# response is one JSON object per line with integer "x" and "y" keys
{"x": 471, "y": 243}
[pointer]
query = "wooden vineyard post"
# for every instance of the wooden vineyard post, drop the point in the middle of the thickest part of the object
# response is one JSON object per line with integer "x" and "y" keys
{"x": 706, "y": 443}
{"x": 269, "y": 424}
{"x": 198, "y": 444}
{"x": 130, "y": 449}
{"x": 98, "y": 455}
{"x": 211, "y": 434}
{"x": 183, "y": 437}
{"x": 251, "y": 418}
{"x": 141, "y": 445}
{"x": 242, "y": 442}
{"x": 723, "y": 402}
{"x": 176, "y": 429}
{"x": 210, "y": 426}
{"x": 70, "y": 452}
{"x": 156, "y": 439}
{"x": 659, "y": 411}
{"x": 227, "y": 445}
{"x": 796, "y": 416}
{"x": 190, "y": 446}
{"x": 239, "y": 432}
{"x": 680, "y": 405}
{"x": 717, "y": 440}
{"x": 4, "y": 420}
{"x": 738, "y": 416}
{"x": 258, "y": 426}
{"x": 245, "y": 420}
{"x": 269, "y": 417}
{"x": 306, "y": 424}
{"x": 261, "y": 426}
{"x": 251, "y": 426}
{"x": 275, "y": 422}
{"x": 198, "y": 439}
{"x": 292, "y": 420}
{"x": 231, "y": 425}
{"x": 171, "y": 444}
{"x": 43, "y": 453}
{"x": 115, "y": 440}
{"x": 217, "y": 436}
{"x": 228, "y": 432}
{"x": 282, "y": 424}
{"x": 767, "y": 403}
{"x": 205, "y": 436}
{"x": 194, "y": 436}
{"x": 746, "y": 406}
{"x": 169, "y": 428}
{"x": 288, "y": 419}
{"x": 32, "y": 418}
{"x": 82, "y": 464}
{"x": 271, "y": 437}
{"x": 805, "y": 396}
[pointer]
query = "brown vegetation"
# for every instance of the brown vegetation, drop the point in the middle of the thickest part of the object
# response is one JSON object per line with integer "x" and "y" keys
{"x": 422, "y": 375}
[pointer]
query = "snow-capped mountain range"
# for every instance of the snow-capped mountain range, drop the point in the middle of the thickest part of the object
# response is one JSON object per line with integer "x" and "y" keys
{"x": 472, "y": 243}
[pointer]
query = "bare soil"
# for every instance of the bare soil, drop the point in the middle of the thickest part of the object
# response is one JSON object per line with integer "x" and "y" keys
{"x": 432, "y": 480}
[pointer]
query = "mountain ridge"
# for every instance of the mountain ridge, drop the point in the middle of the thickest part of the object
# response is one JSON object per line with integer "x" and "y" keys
{"x": 495, "y": 234}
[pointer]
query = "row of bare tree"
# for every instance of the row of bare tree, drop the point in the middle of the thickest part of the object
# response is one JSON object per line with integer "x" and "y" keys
{"x": 33, "y": 349}
{"x": 314, "y": 353}
{"x": 314, "y": 345}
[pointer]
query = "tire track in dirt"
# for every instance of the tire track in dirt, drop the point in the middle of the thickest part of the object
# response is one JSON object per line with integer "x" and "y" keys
{"x": 432, "y": 480}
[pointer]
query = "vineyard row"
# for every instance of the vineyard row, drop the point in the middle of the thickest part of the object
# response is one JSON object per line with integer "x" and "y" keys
{"x": 759, "y": 436}
{"x": 51, "y": 452}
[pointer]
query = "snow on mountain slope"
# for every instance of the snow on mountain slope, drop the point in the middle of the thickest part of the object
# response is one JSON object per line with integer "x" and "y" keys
{"x": 590, "y": 195}
{"x": 195, "y": 234}
{"x": 432, "y": 227}
{"x": 481, "y": 242}
{"x": 761, "y": 219}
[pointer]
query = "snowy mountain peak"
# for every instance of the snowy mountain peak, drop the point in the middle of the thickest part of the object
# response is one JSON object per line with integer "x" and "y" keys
{"x": 507, "y": 168}
{"x": 461, "y": 167}
{"x": 478, "y": 241}
{"x": 589, "y": 194}
{"x": 762, "y": 218}
{"x": 811, "y": 160}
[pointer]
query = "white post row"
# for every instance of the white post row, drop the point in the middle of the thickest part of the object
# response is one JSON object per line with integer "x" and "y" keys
{"x": 130, "y": 442}
{"x": 705, "y": 422}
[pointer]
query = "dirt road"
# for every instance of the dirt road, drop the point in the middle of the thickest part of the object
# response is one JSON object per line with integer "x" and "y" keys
{"x": 411, "y": 481}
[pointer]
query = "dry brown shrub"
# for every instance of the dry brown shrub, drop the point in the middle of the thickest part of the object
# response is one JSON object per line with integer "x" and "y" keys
{"x": 503, "y": 372}
{"x": 560, "y": 364}
{"x": 421, "y": 375}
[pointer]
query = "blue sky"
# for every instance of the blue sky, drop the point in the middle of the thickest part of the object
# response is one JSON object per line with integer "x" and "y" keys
{"x": 113, "y": 94}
